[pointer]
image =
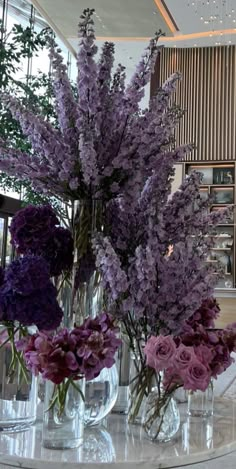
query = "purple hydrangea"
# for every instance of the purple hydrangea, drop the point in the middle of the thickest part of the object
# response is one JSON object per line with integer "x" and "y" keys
{"x": 27, "y": 274}
{"x": 31, "y": 228}
{"x": 40, "y": 308}
{"x": 28, "y": 296}
{"x": 35, "y": 230}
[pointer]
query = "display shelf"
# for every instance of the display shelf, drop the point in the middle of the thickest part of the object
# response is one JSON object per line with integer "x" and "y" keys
{"x": 221, "y": 249}
{"x": 218, "y": 181}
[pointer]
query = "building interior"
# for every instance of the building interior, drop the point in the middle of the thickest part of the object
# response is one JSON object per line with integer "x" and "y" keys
{"x": 199, "y": 41}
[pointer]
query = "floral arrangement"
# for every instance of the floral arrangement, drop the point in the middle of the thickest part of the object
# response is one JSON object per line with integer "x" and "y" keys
{"x": 190, "y": 360}
{"x": 69, "y": 355}
{"x": 107, "y": 148}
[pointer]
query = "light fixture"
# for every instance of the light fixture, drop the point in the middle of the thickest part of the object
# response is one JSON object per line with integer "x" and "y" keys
{"x": 215, "y": 15}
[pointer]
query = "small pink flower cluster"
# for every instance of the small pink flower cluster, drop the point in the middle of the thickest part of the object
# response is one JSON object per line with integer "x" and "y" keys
{"x": 183, "y": 365}
{"x": 83, "y": 351}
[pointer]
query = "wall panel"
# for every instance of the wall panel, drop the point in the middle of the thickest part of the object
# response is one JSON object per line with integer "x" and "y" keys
{"x": 207, "y": 92}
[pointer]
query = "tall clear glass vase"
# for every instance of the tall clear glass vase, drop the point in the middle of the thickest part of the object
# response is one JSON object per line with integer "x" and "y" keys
{"x": 18, "y": 390}
{"x": 87, "y": 293}
{"x": 201, "y": 403}
{"x": 87, "y": 301}
{"x": 63, "y": 428}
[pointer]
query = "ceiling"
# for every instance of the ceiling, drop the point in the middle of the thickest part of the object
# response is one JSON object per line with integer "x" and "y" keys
{"x": 186, "y": 23}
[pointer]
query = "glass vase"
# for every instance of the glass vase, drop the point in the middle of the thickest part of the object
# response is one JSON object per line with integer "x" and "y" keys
{"x": 201, "y": 404}
{"x": 141, "y": 382}
{"x": 87, "y": 293}
{"x": 18, "y": 393}
{"x": 100, "y": 396}
{"x": 123, "y": 363}
{"x": 161, "y": 417}
{"x": 63, "y": 428}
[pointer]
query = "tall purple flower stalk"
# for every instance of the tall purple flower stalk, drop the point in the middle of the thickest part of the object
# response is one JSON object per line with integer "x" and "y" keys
{"x": 151, "y": 287}
{"x": 99, "y": 148}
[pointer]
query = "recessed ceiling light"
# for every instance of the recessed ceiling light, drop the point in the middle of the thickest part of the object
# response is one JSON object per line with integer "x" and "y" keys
{"x": 234, "y": 21}
{"x": 206, "y": 21}
{"x": 230, "y": 42}
{"x": 221, "y": 21}
{"x": 195, "y": 45}
{"x": 201, "y": 18}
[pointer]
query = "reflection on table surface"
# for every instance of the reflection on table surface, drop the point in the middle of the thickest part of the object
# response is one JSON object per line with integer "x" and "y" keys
{"x": 117, "y": 442}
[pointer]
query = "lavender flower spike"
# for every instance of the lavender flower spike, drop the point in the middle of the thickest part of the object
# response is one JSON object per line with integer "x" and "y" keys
{"x": 114, "y": 277}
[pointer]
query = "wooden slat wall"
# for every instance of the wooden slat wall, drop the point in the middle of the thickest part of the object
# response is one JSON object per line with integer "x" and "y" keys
{"x": 208, "y": 94}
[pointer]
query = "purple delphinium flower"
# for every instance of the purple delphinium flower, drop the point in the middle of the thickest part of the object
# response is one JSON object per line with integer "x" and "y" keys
{"x": 97, "y": 149}
{"x": 108, "y": 262}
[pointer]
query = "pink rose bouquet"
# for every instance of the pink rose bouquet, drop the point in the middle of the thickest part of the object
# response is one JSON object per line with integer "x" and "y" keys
{"x": 181, "y": 365}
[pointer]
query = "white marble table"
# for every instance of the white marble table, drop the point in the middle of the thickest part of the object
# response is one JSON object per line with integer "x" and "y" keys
{"x": 120, "y": 446}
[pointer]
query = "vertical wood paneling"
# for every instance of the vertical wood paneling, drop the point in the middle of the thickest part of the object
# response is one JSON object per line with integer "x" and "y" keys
{"x": 207, "y": 93}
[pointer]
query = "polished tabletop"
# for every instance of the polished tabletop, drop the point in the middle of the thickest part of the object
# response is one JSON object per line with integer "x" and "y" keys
{"x": 121, "y": 446}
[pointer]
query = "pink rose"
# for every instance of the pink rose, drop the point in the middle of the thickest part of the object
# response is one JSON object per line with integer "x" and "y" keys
{"x": 204, "y": 354}
{"x": 196, "y": 377}
{"x": 159, "y": 352}
{"x": 171, "y": 378}
{"x": 183, "y": 357}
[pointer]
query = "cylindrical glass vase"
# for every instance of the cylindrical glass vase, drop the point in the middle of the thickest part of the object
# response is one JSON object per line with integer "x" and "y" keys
{"x": 87, "y": 293}
{"x": 137, "y": 392}
{"x": 201, "y": 404}
{"x": 123, "y": 363}
{"x": 18, "y": 394}
{"x": 63, "y": 427}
